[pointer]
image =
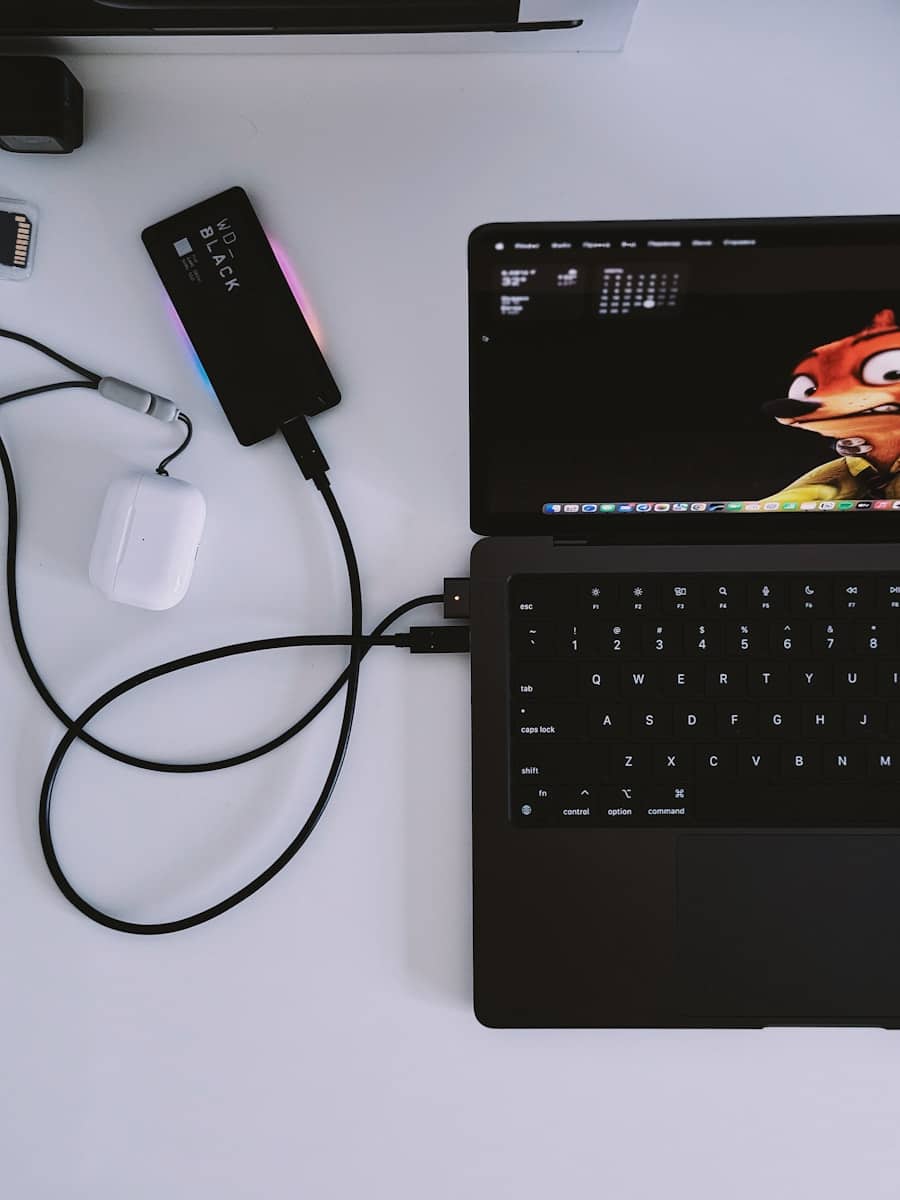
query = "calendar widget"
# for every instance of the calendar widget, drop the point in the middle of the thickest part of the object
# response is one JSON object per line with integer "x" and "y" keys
{"x": 639, "y": 289}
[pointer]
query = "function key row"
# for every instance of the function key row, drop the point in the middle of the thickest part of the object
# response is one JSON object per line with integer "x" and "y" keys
{"x": 535, "y": 596}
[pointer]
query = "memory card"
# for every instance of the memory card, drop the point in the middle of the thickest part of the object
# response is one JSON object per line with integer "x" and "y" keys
{"x": 18, "y": 223}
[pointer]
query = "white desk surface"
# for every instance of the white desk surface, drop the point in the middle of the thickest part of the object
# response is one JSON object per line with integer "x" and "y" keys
{"x": 319, "y": 1041}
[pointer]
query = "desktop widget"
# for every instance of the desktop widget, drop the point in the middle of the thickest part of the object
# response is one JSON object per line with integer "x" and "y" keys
{"x": 720, "y": 506}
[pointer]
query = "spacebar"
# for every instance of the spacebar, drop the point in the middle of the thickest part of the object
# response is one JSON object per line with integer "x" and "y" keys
{"x": 814, "y": 805}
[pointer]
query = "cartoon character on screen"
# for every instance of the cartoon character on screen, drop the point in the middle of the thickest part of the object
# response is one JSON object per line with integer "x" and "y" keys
{"x": 849, "y": 390}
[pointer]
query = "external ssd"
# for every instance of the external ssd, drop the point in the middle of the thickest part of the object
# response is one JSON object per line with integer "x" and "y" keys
{"x": 240, "y": 314}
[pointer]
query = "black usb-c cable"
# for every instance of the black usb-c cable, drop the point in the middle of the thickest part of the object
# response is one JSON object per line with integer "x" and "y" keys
{"x": 428, "y": 639}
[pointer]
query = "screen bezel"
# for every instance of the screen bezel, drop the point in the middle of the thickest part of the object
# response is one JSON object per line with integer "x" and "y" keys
{"x": 699, "y": 528}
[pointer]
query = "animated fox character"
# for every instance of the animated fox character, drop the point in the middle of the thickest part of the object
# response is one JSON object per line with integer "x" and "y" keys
{"x": 849, "y": 390}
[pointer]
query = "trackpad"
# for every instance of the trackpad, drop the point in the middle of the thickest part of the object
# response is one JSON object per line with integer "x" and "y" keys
{"x": 799, "y": 926}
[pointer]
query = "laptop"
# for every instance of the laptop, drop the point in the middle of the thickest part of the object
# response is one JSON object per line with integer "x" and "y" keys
{"x": 685, "y": 462}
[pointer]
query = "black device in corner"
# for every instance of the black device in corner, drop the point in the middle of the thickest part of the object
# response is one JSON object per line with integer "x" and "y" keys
{"x": 41, "y": 106}
{"x": 239, "y": 312}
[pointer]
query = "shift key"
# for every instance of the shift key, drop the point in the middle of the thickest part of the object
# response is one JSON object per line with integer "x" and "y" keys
{"x": 539, "y": 721}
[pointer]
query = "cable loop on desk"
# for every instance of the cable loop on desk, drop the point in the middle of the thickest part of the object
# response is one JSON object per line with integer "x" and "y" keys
{"x": 76, "y": 728}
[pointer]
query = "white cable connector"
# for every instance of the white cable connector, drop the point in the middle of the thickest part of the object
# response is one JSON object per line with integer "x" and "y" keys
{"x": 138, "y": 398}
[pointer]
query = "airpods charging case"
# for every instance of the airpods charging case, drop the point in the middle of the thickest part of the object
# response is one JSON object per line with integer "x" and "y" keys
{"x": 147, "y": 540}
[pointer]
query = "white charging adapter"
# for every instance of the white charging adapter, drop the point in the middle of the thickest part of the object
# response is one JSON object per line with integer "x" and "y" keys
{"x": 147, "y": 540}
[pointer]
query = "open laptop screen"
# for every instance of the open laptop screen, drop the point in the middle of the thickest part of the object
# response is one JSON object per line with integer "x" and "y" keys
{"x": 690, "y": 369}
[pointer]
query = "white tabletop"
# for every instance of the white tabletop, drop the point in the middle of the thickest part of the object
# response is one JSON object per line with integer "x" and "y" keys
{"x": 319, "y": 1040}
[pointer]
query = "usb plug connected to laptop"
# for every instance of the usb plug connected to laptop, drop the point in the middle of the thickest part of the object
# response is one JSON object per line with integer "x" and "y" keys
{"x": 443, "y": 639}
{"x": 436, "y": 639}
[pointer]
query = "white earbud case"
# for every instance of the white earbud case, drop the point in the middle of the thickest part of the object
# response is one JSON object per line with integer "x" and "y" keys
{"x": 147, "y": 540}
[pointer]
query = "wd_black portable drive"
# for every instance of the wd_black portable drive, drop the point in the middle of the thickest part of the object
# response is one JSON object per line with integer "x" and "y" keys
{"x": 240, "y": 315}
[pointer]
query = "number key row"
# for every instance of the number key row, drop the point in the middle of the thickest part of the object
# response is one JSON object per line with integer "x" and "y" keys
{"x": 672, "y": 639}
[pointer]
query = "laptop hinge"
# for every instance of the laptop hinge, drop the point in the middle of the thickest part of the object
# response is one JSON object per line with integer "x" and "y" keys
{"x": 571, "y": 542}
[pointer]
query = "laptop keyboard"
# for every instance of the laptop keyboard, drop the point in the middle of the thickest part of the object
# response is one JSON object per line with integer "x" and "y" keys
{"x": 705, "y": 700}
